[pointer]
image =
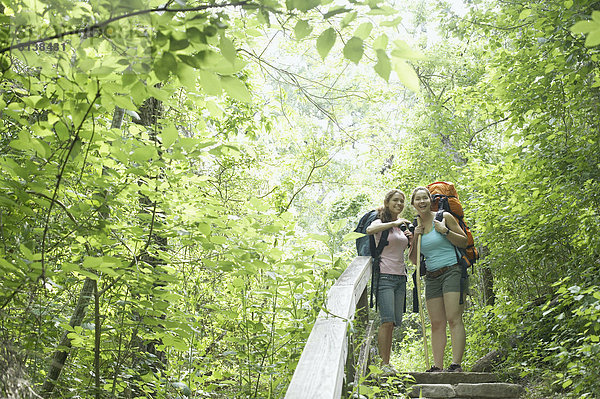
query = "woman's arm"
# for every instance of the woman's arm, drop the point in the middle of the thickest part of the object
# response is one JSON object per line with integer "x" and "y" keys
{"x": 384, "y": 226}
{"x": 412, "y": 253}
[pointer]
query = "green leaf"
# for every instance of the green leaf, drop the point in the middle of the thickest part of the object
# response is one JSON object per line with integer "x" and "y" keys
{"x": 175, "y": 45}
{"x": 403, "y": 50}
{"x": 338, "y": 225}
{"x": 226, "y": 68}
{"x": 227, "y": 49}
{"x": 190, "y": 60}
{"x": 383, "y": 66}
{"x": 214, "y": 109}
{"x": 208, "y": 58}
{"x": 236, "y": 89}
{"x": 204, "y": 228}
{"x": 174, "y": 342}
{"x": 335, "y": 11}
{"x": 348, "y": 18}
{"x": 525, "y": 13}
{"x": 211, "y": 83}
{"x": 325, "y": 42}
{"x": 194, "y": 35}
{"x": 169, "y": 135}
{"x": 567, "y": 383}
{"x": 124, "y": 102}
{"x": 129, "y": 77}
{"x": 353, "y": 50}
{"x": 406, "y": 74}
{"x": 6, "y": 265}
{"x": 219, "y": 239}
{"x": 182, "y": 387}
{"x": 584, "y": 26}
{"x": 381, "y": 42}
{"x": 164, "y": 66}
{"x": 353, "y": 235}
{"x": 42, "y": 149}
{"x": 187, "y": 76}
{"x": 319, "y": 237}
{"x": 593, "y": 38}
{"x": 42, "y": 103}
{"x": 302, "y": 29}
{"x": 302, "y": 5}
{"x": 383, "y": 10}
{"x": 393, "y": 23}
{"x": 21, "y": 144}
{"x": 364, "y": 30}
{"x": 91, "y": 262}
{"x": 143, "y": 154}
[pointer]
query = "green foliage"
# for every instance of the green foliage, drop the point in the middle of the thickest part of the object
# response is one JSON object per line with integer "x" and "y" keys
{"x": 557, "y": 341}
{"x": 203, "y": 288}
{"x": 212, "y": 215}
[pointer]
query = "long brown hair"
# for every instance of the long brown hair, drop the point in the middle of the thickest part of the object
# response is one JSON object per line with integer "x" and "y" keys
{"x": 412, "y": 198}
{"x": 383, "y": 212}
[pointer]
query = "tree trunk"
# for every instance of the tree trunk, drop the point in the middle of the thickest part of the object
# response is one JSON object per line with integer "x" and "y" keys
{"x": 87, "y": 291}
{"x": 60, "y": 356}
{"x": 487, "y": 363}
{"x": 149, "y": 113}
{"x": 489, "y": 296}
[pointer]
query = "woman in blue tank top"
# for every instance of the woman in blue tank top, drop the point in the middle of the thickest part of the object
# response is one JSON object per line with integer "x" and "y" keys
{"x": 442, "y": 281}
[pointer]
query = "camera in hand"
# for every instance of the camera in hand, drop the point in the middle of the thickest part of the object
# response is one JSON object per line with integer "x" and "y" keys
{"x": 408, "y": 226}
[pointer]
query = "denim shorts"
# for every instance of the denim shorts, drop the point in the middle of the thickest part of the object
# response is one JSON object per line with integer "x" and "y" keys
{"x": 448, "y": 282}
{"x": 391, "y": 297}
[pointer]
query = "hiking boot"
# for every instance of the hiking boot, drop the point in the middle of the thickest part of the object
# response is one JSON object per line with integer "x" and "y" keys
{"x": 434, "y": 369}
{"x": 454, "y": 368}
{"x": 388, "y": 370}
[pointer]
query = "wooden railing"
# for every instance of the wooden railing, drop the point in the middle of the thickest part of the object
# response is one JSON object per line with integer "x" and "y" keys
{"x": 322, "y": 365}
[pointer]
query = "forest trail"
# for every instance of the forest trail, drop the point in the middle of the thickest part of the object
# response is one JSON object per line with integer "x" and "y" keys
{"x": 461, "y": 386}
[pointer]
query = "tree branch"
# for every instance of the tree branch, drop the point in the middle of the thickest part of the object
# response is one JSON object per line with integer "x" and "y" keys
{"x": 307, "y": 182}
{"x": 59, "y": 180}
{"x": 99, "y": 25}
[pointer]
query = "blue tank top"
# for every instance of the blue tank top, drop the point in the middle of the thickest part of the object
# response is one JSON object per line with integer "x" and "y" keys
{"x": 438, "y": 250}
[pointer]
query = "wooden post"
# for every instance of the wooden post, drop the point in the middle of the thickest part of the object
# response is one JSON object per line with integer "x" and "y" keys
{"x": 361, "y": 321}
{"x": 362, "y": 309}
{"x": 421, "y": 314}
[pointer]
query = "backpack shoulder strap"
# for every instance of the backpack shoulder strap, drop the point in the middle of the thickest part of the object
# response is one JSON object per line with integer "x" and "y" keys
{"x": 383, "y": 241}
{"x": 439, "y": 215}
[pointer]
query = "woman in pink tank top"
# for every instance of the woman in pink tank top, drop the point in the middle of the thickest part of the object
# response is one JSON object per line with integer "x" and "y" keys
{"x": 391, "y": 281}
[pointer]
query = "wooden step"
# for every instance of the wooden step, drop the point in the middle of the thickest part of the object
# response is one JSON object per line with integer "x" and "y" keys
{"x": 486, "y": 390}
{"x": 453, "y": 378}
{"x": 449, "y": 385}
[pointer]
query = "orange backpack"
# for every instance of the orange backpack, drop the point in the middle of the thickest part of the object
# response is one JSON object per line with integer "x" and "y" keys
{"x": 444, "y": 197}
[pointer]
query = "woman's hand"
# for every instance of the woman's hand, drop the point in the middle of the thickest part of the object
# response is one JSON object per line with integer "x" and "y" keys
{"x": 440, "y": 226}
{"x": 419, "y": 230}
{"x": 400, "y": 222}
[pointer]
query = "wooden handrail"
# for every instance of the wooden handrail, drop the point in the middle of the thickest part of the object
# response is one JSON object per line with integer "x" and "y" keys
{"x": 320, "y": 370}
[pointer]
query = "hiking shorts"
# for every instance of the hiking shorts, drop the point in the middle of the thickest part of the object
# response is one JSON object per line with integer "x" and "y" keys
{"x": 391, "y": 297}
{"x": 448, "y": 282}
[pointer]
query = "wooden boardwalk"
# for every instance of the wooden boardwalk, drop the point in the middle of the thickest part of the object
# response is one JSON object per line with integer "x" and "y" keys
{"x": 327, "y": 366}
